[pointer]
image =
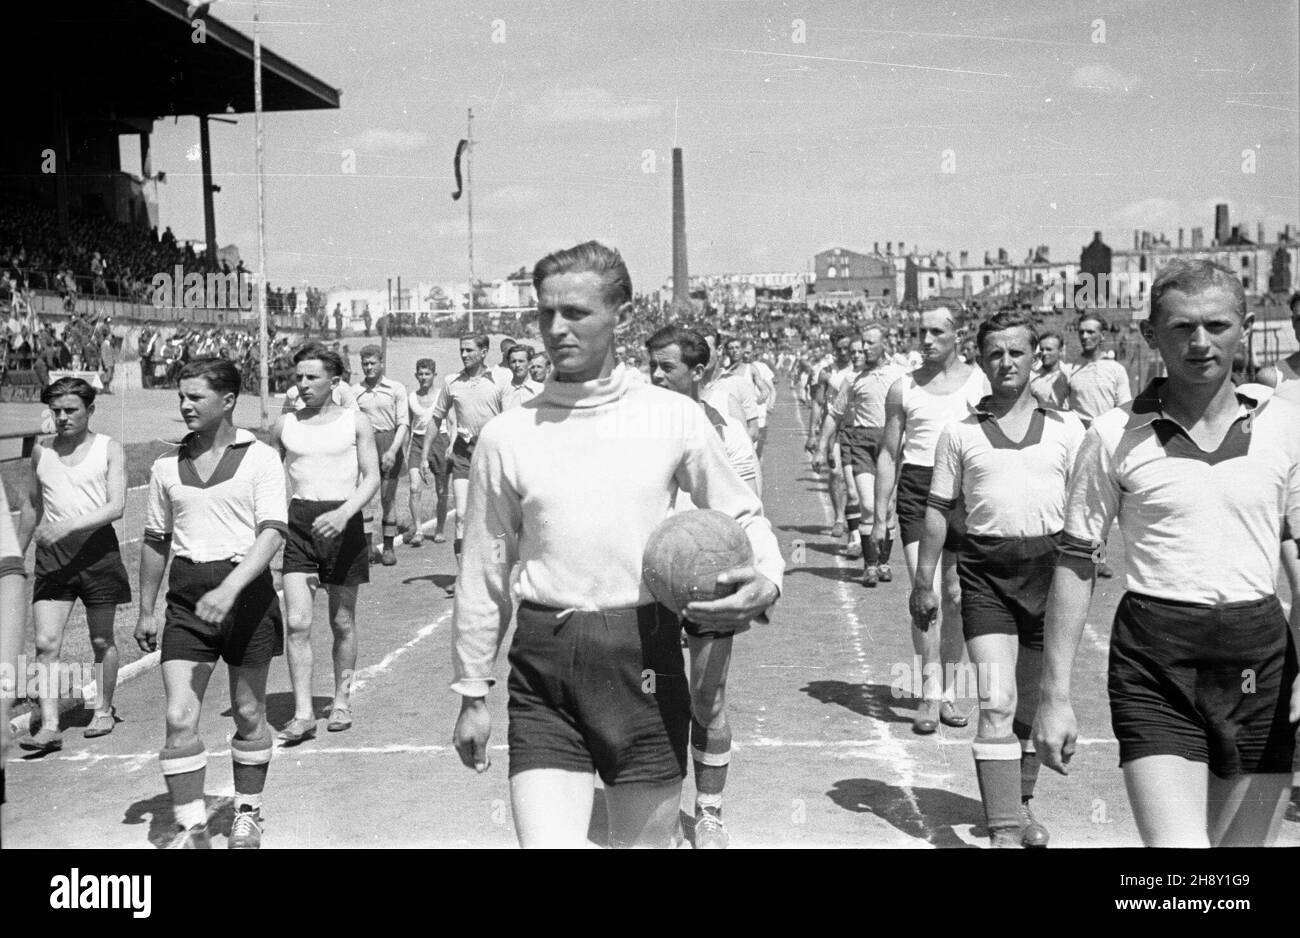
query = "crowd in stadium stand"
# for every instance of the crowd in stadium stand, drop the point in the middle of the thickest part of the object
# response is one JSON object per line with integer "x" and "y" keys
{"x": 96, "y": 256}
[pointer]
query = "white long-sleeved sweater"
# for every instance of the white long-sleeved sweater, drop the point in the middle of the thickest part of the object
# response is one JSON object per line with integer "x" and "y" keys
{"x": 570, "y": 485}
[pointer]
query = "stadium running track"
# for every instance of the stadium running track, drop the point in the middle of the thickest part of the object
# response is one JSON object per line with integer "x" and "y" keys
{"x": 824, "y": 750}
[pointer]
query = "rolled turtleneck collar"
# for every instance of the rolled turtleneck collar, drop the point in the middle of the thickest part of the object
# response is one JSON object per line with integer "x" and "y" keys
{"x": 588, "y": 393}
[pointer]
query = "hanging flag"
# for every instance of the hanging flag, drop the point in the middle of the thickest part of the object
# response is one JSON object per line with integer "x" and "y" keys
{"x": 460, "y": 186}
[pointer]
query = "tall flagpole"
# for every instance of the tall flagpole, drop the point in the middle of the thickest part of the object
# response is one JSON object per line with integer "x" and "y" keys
{"x": 262, "y": 345}
{"x": 469, "y": 203}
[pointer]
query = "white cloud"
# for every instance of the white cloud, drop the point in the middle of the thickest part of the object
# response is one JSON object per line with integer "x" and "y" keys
{"x": 1103, "y": 78}
{"x": 380, "y": 138}
{"x": 514, "y": 195}
{"x": 578, "y": 105}
{"x": 1156, "y": 214}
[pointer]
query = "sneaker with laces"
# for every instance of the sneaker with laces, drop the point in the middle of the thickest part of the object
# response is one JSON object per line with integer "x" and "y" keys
{"x": 870, "y": 576}
{"x": 246, "y": 831}
{"x": 193, "y": 838}
{"x": 710, "y": 832}
{"x": 1032, "y": 832}
{"x": 884, "y": 573}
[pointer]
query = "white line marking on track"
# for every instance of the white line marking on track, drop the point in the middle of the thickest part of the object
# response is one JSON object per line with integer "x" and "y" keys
{"x": 766, "y": 743}
{"x": 138, "y": 760}
{"x": 134, "y": 761}
{"x": 363, "y": 676}
{"x": 894, "y": 751}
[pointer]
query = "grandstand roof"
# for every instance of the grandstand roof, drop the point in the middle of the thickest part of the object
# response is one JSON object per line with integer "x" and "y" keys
{"x": 138, "y": 59}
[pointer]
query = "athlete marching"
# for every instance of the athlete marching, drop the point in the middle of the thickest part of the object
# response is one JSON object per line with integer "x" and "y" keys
{"x": 1006, "y": 468}
{"x": 917, "y": 408}
{"x": 1204, "y": 694}
{"x": 78, "y": 491}
{"x": 333, "y": 466}
{"x": 570, "y": 485}
{"x": 217, "y": 506}
{"x": 678, "y": 358}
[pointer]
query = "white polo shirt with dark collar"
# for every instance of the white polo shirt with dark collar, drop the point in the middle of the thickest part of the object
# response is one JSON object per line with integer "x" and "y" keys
{"x": 1011, "y": 489}
{"x": 217, "y": 519}
{"x": 1199, "y": 527}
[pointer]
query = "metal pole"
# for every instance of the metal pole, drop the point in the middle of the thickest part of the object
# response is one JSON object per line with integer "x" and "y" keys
{"x": 209, "y": 211}
{"x": 469, "y": 204}
{"x": 262, "y": 344}
{"x": 383, "y": 323}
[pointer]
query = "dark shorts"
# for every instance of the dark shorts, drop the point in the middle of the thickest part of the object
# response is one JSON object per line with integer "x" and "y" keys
{"x": 461, "y": 454}
{"x": 251, "y": 635}
{"x": 1004, "y": 586}
{"x": 338, "y": 561}
{"x": 383, "y": 440}
{"x": 1208, "y": 684}
{"x": 860, "y": 447}
{"x": 439, "y": 464}
{"x": 913, "y": 490}
{"x": 602, "y": 692}
{"x": 84, "y": 566}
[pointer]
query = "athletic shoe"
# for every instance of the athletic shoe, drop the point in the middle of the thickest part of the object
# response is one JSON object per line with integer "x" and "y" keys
{"x": 1005, "y": 838}
{"x": 388, "y": 558}
{"x": 340, "y": 719}
{"x": 870, "y": 576}
{"x": 415, "y": 540}
{"x": 246, "y": 831}
{"x": 852, "y": 550}
{"x": 1032, "y": 831}
{"x": 195, "y": 838}
{"x": 710, "y": 832}
{"x": 886, "y": 575}
{"x": 949, "y": 715}
{"x": 43, "y": 740}
{"x": 1104, "y": 570}
{"x": 440, "y": 538}
{"x": 837, "y": 529}
{"x": 102, "y": 724}
{"x": 376, "y": 555}
{"x": 298, "y": 730}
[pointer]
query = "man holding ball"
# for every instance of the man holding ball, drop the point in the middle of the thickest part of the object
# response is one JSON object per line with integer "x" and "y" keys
{"x": 570, "y": 485}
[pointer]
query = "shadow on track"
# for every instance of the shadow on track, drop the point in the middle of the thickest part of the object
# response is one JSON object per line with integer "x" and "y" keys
{"x": 928, "y": 814}
{"x": 877, "y": 701}
{"x": 162, "y": 822}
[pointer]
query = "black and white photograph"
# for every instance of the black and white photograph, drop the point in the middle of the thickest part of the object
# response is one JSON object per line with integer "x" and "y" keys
{"x": 694, "y": 424}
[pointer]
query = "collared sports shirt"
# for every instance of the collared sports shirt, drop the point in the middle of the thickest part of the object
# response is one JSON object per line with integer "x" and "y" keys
{"x": 862, "y": 397}
{"x": 476, "y": 400}
{"x": 385, "y": 404}
{"x": 1096, "y": 387}
{"x": 1199, "y": 527}
{"x": 1010, "y": 488}
{"x": 217, "y": 519}
{"x": 512, "y": 395}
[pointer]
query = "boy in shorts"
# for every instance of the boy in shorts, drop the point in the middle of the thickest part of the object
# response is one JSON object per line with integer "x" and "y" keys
{"x": 217, "y": 505}
{"x": 78, "y": 490}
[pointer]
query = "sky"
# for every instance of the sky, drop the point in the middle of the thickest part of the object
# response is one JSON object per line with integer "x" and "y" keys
{"x": 948, "y": 126}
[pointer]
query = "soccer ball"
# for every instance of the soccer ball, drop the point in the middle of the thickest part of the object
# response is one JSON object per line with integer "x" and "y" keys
{"x": 686, "y": 553}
